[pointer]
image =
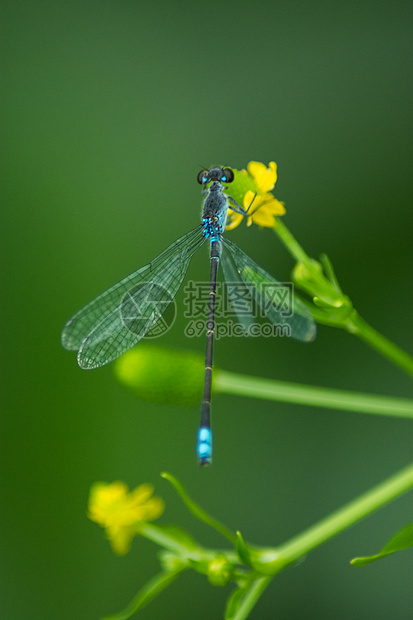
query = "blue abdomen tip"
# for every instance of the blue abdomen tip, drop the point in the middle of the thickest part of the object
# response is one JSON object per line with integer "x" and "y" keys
{"x": 204, "y": 446}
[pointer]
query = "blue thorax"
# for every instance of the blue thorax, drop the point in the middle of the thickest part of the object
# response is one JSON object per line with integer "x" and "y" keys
{"x": 214, "y": 214}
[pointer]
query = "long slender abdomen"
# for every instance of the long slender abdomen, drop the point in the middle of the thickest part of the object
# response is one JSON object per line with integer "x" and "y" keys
{"x": 204, "y": 447}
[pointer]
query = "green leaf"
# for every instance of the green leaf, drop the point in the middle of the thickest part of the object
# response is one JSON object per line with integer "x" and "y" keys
{"x": 242, "y": 550}
{"x": 330, "y": 273}
{"x": 402, "y": 540}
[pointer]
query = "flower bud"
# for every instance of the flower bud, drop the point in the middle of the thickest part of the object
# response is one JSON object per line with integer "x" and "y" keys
{"x": 161, "y": 375}
{"x": 220, "y": 570}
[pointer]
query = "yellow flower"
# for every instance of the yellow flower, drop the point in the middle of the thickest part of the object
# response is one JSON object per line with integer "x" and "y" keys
{"x": 252, "y": 189}
{"x": 265, "y": 178}
{"x": 120, "y": 512}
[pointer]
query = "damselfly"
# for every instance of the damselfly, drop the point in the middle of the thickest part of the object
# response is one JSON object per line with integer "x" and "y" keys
{"x": 120, "y": 317}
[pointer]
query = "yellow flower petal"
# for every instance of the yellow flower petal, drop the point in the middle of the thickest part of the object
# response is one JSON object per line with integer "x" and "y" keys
{"x": 234, "y": 221}
{"x": 256, "y": 168}
{"x": 104, "y": 499}
{"x": 264, "y": 177}
{"x": 142, "y": 493}
{"x": 253, "y": 192}
{"x": 269, "y": 203}
{"x": 120, "y": 512}
{"x": 153, "y": 508}
{"x": 249, "y": 200}
{"x": 264, "y": 218}
{"x": 276, "y": 207}
{"x": 121, "y": 539}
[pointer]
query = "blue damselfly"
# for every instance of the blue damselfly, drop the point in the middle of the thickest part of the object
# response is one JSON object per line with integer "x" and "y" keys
{"x": 120, "y": 317}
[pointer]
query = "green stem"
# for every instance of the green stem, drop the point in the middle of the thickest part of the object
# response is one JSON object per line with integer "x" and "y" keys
{"x": 196, "y": 510}
{"x": 345, "y": 517}
{"x": 252, "y": 597}
{"x": 291, "y": 243}
{"x": 269, "y": 389}
{"x": 354, "y": 323}
{"x": 358, "y": 326}
{"x": 146, "y": 594}
{"x": 161, "y": 537}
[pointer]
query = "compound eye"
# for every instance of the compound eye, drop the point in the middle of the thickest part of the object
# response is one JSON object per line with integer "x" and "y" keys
{"x": 228, "y": 175}
{"x": 202, "y": 177}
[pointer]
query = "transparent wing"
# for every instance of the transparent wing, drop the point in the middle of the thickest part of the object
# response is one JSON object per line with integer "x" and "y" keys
{"x": 231, "y": 276}
{"x": 277, "y": 302}
{"x": 117, "y": 319}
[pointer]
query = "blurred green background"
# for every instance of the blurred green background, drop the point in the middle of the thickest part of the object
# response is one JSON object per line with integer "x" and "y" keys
{"x": 109, "y": 111}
